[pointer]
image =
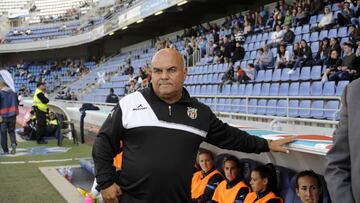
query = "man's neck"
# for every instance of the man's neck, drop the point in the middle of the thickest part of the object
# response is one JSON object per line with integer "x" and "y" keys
{"x": 171, "y": 100}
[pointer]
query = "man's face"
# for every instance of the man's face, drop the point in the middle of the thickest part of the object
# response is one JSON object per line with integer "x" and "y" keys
{"x": 308, "y": 191}
{"x": 42, "y": 87}
{"x": 168, "y": 74}
{"x": 257, "y": 183}
{"x": 231, "y": 170}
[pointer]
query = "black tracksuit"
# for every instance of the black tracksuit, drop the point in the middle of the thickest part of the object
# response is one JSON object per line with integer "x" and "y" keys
{"x": 160, "y": 143}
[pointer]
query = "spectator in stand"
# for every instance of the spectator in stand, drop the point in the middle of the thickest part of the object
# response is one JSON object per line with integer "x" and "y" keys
{"x": 282, "y": 58}
{"x": 228, "y": 76}
{"x": 239, "y": 53}
{"x": 289, "y": 35}
{"x": 323, "y": 53}
{"x": 112, "y": 98}
{"x": 215, "y": 36}
{"x": 305, "y": 57}
{"x": 354, "y": 34}
{"x": 344, "y": 17}
{"x": 326, "y": 21}
{"x": 241, "y": 75}
{"x": 247, "y": 27}
{"x": 278, "y": 21}
{"x": 251, "y": 71}
{"x": 288, "y": 18}
{"x": 347, "y": 70}
{"x": 355, "y": 20}
{"x": 265, "y": 59}
{"x": 335, "y": 44}
{"x": 293, "y": 15}
{"x": 277, "y": 36}
{"x": 332, "y": 65}
{"x": 73, "y": 96}
{"x": 301, "y": 16}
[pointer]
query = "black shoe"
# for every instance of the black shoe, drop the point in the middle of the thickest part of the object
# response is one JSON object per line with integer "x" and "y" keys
{"x": 42, "y": 142}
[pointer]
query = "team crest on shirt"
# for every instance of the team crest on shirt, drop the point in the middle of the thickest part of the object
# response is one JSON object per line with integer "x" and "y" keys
{"x": 192, "y": 112}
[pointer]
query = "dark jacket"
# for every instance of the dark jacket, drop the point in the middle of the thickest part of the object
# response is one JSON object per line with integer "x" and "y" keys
{"x": 8, "y": 103}
{"x": 160, "y": 146}
{"x": 112, "y": 98}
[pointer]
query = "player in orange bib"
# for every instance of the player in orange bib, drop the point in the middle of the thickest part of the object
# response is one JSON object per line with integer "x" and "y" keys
{"x": 233, "y": 189}
{"x": 263, "y": 183}
{"x": 204, "y": 182}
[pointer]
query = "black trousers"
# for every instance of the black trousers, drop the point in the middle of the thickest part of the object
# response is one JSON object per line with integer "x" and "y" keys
{"x": 41, "y": 130}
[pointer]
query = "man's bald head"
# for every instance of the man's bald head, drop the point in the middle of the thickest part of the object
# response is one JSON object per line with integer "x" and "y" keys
{"x": 167, "y": 56}
{"x": 168, "y": 74}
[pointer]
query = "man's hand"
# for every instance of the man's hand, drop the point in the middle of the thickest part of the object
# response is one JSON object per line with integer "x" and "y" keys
{"x": 111, "y": 194}
{"x": 278, "y": 145}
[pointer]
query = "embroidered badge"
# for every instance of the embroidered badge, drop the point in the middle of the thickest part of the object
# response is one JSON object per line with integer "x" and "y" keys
{"x": 192, "y": 112}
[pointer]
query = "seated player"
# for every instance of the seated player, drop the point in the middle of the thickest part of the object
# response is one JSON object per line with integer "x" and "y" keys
{"x": 204, "y": 182}
{"x": 308, "y": 187}
{"x": 233, "y": 189}
{"x": 264, "y": 185}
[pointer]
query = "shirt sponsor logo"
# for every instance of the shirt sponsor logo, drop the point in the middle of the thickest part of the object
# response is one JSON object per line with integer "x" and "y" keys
{"x": 140, "y": 107}
{"x": 192, "y": 112}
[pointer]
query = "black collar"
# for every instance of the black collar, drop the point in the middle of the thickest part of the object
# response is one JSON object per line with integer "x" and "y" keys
{"x": 261, "y": 194}
{"x": 207, "y": 173}
{"x": 230, "y": 184}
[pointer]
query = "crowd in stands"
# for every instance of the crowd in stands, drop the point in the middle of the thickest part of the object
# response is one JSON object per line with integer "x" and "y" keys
{"x": 226, "y": 180}
{"x": 225, "y": 43}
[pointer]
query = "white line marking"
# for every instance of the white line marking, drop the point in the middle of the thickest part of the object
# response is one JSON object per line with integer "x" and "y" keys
{"x": 43, "y": 161}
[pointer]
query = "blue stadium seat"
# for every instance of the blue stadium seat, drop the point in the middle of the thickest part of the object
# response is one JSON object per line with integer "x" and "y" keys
{"x": 298, "y": 38}
{"x": 259, "y": 37}
{"x": 330, "y": 108}
{"x": 271, "y": 107}
{"x": 248, "y": 89}
{"x": 228, "y": 105}
{"x": 268, "y": 75}
{"x": 243, "y": 106}
{"x": 252, "y": 106}
{"x": 234, "y": 89}
{"x": 277, "y": 75}
{"x": 305, "y": 73}
{"x": 251, "y": 46}
{"x": 284, "y": 75}
{"x": 335, "y": 7}
{"x": 304, "y": 108}
{"x": 295, "y": 76}
{"x": 294, "y": 108}
{"x": 323, "y": 34}
{"x": 241, "y": 89}
{"x": 340, "y": 87}
{"x": 332, "y": 33}
{"x": 226, "y": 89}
{"x": 214, "y": 90}
{"x": 256, "y": 89}
{"x": 343, "y": 32}
{"x": 314, "y": 47}
{"x": 316, "y": 73}
{"x": 261, "y": 107}
{"x": 314, "y": 37}
{"x": 304, "y": 89}
{"x": 306, "y": 37}
{"x": 329, "y": 88}
{"x": 203, "y": 90}
{"x": 316, "y": 89}
{"x": 235, "y": 105}
{"x": 265, "y": 36}
{"x": 298, "y": 30}
{"x": 274, "y": 89}
{"x": 248, "y": 165}
{"x": 221, "y": 105}
{"x": 253, "y": 55}
{"x": 260, "y": 76}
{"x": 197, "y": 90}
{"x": 313, "y": 19}
{"x": 265, "y": 89}
{"x": 294, "y": 89}
{"x": 305, "y": 29}
{"x": 284, "y": 89}
{"x": 317, "y": 109}
{"x": 281, "y": 107}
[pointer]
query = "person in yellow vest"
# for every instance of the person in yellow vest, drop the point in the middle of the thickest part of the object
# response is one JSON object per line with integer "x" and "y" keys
{"x": 204, "y": 182}
{"x": 264, "y": 185}
{"x": 233, "y": 189}
{"x": 40, "y": 105}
